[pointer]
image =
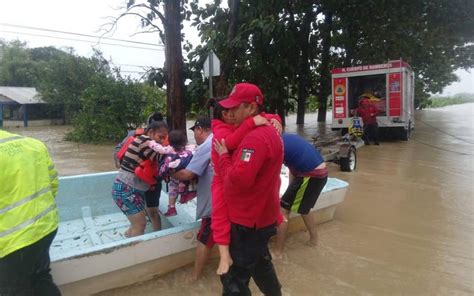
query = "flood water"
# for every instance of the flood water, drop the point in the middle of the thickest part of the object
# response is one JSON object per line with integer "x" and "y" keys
{"x": 405, "y": 228}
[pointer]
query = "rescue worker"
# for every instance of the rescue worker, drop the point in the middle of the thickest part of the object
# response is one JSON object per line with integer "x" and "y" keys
{"x": 308, "y": 175}
{"x": 28, "y": 216}
{"x": 251, "y": 186}
{"x": 368, "y": 112}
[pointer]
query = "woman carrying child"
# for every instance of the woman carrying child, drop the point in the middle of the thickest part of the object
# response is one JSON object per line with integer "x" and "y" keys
{"x": 128, "y": 190}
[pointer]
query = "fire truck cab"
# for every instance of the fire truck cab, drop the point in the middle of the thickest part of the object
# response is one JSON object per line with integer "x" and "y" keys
{"x": 389, "y": 86}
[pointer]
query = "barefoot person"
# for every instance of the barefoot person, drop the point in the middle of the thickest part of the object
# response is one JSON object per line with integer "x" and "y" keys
{"x": 308, "y": 175}
{"x": 200, "y": 167}
{"x": 152, "y": 196}
{"x": 128, "y": 190}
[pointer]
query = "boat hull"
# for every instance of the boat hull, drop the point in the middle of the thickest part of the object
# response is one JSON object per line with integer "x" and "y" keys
{"x": 96, "y": 267}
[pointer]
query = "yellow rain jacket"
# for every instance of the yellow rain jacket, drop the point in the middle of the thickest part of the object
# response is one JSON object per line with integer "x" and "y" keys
{"x": 28, "y": 186}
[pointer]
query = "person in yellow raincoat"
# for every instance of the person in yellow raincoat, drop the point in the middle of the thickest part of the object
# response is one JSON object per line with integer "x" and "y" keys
{"x": 28, "y": 216}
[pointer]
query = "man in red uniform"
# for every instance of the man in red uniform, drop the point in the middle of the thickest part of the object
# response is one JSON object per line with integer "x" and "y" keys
{"x": 368, "y": 112}
{"x": 251, "y": 199}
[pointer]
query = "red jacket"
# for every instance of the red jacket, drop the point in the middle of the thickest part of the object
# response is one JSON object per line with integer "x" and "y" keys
{"x": 251, "y": 182}
{"x": 368, "y": 112}
{"x": 233, "y": 136}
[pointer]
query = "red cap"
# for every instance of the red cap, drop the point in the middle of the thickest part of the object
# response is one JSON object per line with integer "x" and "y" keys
{"x": 243, "y": 93}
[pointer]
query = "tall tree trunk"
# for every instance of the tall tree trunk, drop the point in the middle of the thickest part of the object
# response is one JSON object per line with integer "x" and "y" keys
{"x": 304, "y": 67}
{"x": 325, "y": 75}
{"x": 349, "y": 45}
{"x": 280, "y": 106}
{"x": 176, "y": 113}
{"x": 229, "y": 59}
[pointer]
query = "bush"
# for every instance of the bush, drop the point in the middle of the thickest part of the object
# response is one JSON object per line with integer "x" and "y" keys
{"x": 110, "y": 107}
{"x": 437, "y": 102}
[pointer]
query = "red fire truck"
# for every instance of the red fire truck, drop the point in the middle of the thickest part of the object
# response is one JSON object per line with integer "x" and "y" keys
{"x": 389, "y": 86}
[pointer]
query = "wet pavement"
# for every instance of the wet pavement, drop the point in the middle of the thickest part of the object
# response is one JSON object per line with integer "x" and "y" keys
{"x": 405, "y": 228}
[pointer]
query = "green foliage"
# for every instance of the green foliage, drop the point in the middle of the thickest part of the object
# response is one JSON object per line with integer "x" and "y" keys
{"x": 438, "y": 101}
{"x": 16, "y": 65}
{"x": 434, "y": 37}
{"x": 100, "y": 104}
{"x": 64, "y": 78}
{"x": 109, "y": 107}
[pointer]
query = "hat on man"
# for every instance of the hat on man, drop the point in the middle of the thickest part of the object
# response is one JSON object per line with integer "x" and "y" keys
{"x": 243, "y": 93}
{"x": 203, "y": 122}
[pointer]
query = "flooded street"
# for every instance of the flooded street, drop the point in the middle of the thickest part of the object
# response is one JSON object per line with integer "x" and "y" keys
{"x": 406, "y": 226}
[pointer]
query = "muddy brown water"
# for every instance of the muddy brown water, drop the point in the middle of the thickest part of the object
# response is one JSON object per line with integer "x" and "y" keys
{"x": 405, "y": 228}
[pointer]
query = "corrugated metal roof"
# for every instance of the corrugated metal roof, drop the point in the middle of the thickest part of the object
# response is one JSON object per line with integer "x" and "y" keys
{"x": 21, "y": 95}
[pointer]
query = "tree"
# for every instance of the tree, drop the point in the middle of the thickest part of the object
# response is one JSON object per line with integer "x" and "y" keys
{"x": 110, "y": 106}
{"x": 434, "y": 37}
{"x": 170, "y": 13}
{"x": 62, "y": 79}
{"x": 16, "y": 65}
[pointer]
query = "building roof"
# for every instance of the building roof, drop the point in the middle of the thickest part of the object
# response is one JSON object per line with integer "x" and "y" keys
{"x": 21, "y": 95}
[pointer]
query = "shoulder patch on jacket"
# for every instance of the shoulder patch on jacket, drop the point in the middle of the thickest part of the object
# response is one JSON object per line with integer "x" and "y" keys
{"x": 246, "y": 154}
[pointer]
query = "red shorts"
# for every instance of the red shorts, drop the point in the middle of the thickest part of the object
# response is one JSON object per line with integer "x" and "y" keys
{"x": 205, "y": 235}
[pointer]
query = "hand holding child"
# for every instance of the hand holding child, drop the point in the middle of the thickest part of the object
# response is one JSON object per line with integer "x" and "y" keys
{"x": 220, "y": 148}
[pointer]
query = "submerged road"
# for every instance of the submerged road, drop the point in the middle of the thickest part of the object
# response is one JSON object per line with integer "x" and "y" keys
{"x": 405, "y": 228}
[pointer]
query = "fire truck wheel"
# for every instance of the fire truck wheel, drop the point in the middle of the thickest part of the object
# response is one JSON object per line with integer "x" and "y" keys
{"x": 349, "y": 163}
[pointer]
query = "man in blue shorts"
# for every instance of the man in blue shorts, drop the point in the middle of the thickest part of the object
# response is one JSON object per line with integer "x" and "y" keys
{"x": 308, "y": 175}
{"x": 200, "y": 167}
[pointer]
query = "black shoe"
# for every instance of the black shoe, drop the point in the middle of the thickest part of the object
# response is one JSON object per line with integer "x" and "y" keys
{"x": 366, "y": 143}
{"x": 377, "y": 143}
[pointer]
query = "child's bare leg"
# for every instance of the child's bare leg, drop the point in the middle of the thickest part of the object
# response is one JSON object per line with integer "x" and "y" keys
{"x": 311, "y": 226}
{"x": 172, "y": 201}
{"x": 225, "y": 261}
{"x": 281, "y": 235}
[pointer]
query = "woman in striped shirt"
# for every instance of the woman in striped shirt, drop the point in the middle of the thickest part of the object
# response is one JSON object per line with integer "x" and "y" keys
{"x": 128, "y": 190}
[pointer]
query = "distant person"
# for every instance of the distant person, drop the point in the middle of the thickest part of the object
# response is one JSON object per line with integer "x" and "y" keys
{"x": 129, "y": 189}
{"x": 176, "y": 161}
{"x": 28, "y": 216}
{"x": 251, "y": 189}
{"x": 200, "y": 167}
{"x": 308, "y": 175}
{"x": 152, "y": 196}
{"x": 368, "y": 112}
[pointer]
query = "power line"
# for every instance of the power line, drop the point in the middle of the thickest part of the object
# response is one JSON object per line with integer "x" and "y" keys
{"x": 127, "y": 71}
{"x": 130, "y": 65}
{"x": 80, "y": 40}
{"x": 80, "y": 34}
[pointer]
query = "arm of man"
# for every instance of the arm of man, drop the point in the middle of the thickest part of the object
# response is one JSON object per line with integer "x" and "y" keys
{"x": 184, "y": 174}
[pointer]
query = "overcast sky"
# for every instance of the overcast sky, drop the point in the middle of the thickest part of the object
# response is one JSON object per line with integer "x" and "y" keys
{"x": 87, "y": 17}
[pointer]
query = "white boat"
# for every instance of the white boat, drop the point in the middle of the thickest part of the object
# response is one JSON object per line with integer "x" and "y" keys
{"x": 90, "y": 253}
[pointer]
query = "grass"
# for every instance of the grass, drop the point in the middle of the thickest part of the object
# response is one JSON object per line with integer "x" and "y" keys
{"x": 437, "y": 102}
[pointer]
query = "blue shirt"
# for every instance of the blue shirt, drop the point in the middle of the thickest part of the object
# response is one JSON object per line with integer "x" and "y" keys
{"x": 200, "y": 165}
{"x": 300, "y": 155}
